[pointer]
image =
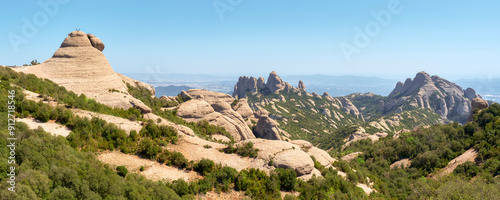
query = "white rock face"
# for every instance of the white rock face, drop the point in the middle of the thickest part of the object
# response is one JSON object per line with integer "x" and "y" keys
{"x": 440, "y": 95}
{"x": 215, "y": 108}
{"x": 81, "y": 67}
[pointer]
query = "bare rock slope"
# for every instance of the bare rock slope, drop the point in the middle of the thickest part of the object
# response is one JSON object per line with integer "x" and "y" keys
{"x": 80, "y": 66}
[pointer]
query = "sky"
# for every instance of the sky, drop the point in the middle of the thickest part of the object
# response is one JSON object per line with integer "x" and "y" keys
{"x": 385, "y": 38}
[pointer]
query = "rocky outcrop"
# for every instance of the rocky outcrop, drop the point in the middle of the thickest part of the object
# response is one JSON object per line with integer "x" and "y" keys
{"x": 245, "y": 84}
{"x": 320, "y": 155}
{"x": 361, "y": 134}
{"x": 476, "y": 103}
{"x": 274, "y": 83}
{"x": 470, "y": 93}
{"x": 433, "y": 92}
{"x": 96, "y": 42}
{"x": 194, "y": 109}
{"x": 267, "y": 128}
{"x": 81, "y": 67}
{"x": 327, "y": 96}
{"x": 135, "y": 83}
{"x": 214, "y": 108}
{"x": 284, "y": 155}
{"x": 300, "y": 161}
{"x": 209, "y": 96}
{"x": 261, "y": 83}
{"x": 316, "y": 95}
{"x": 302, "y": 86}
{"x": 348, "y": 107}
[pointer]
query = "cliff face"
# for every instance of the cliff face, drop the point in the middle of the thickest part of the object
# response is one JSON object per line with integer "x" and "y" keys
{"x": 433, "y": 92}
{"x": 250, "y": 84}
{"x": 80, "y": 66}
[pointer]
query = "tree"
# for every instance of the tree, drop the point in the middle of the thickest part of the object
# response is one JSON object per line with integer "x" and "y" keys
{"x": 122, "y": 171}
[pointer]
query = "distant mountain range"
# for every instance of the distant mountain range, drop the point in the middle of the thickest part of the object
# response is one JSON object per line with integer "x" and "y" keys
{"x": 336, "y": 86}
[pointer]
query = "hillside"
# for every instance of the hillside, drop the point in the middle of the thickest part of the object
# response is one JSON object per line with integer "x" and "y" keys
{"x": 79, "y": 138}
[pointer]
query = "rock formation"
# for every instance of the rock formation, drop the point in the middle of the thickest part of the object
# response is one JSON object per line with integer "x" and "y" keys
{"x": 80, "y": 66}
{"x": 244, "y": 85}
{"x": 440, "y": 95}
{"x": 348, "y": 107}
{"x": 476, "y": 103}
{"x": 267, "y": 128}
{"x": 274, "y": 83}
{"x": 302, "y": 86}
{"x": 215, "y": 108}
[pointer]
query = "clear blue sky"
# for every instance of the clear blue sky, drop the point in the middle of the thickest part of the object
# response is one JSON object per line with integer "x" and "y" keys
{"x": 449, "y": 38}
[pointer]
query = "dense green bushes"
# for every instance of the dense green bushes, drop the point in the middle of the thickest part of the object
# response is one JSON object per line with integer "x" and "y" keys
{"x": 48, "y": 168}
{"x": 245, "y": 150}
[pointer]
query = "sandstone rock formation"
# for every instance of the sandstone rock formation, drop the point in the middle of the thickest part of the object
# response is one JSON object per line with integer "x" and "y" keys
{"x": 267, "y": 128}
{"x": 274, "y": 83}
{"x": 476, "y": 103}
{"x": 302, "y": 86}
{"x": 244, "y": 85}
{"x": 81, "y": 67}
{"x": 361, "y": 134}
{"x": 214, "y": 108}
{"x": 440, "y": 95}
{"x": 348, "y": 107}
{"x": 96, "y": 42}
{"x": 136, "y": 83}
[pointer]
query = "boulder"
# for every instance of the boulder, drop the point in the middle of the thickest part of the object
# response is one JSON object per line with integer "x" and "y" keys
{"x": 96, "y": 42}
{"x": 470, "y": 93}
{"x": 261, "y": 83}
{"x": 321, "y": 156}
{"x": 267, "y": 128}
{"x": 327, "y": 96}
{"x": 304, "y": 145}
{"x": 298, "y": 160}
{"x": 316, "y": 95}
{"x": 476, "y": 103}
{"x": 196, "y": 109}
{"x": 350, "y": 108}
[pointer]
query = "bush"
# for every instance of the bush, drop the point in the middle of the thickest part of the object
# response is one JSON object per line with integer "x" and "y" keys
{"x": 468, "y": 169}
{"x": 287, "y": 177}
{"x": 180, "y": 187}
{"x": 122, "y": 171}
{"x": 148, "y": 149}
{"x": 205, "y": 166}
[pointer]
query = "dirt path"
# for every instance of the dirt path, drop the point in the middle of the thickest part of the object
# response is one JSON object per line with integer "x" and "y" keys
{"x": 153, "y": 170}
{"x": 50, "y": 126}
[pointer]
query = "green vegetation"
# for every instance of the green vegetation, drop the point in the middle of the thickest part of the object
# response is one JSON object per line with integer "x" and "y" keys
{"x": 122, "y": 171}
{"x": 245, "y": 150}
{"x": 303, "y": 113}
{"x": 47, "y": 167}
{"x": 430, "y": 149}
{"x": 47, "y": 88}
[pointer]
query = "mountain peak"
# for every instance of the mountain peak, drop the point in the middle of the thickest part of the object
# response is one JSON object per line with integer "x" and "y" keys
{"x": 440, "y": 95}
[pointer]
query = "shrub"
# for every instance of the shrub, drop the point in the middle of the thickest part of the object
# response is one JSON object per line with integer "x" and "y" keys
{"x": 468, "y": 169}
{"x": 287, "y": 177}
{"x": 205, "y": 166}
{"x": 122, "y": 171}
